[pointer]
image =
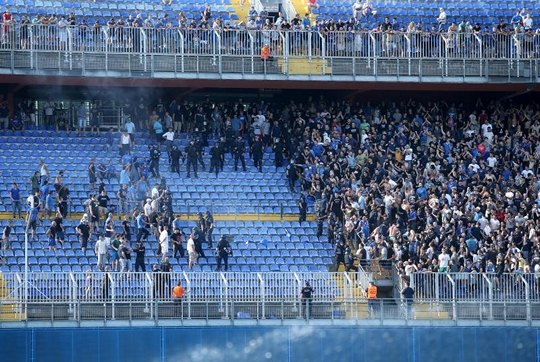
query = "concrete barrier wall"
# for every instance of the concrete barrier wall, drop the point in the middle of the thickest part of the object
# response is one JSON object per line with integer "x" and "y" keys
{"x": 283, "y": 343}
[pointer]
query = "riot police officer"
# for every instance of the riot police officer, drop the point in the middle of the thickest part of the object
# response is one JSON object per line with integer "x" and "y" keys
{"x": 155, "y": 154}
{"x": 199, "y": 143}
{"x": 257, "y": 153}
{"x": 176, "y": 154}
{"x": 215, "y": 159}
{"x": 191, "y": 157}
{"x": 238, "y": 151}
{"x": 223, "y": 250}
{"x": 278, "y": 152}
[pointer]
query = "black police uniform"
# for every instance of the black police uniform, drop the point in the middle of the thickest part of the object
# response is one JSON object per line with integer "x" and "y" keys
{"x": 238, "y": 150}
{"x": 223, "y": 250}
{"x": 176, "y": 154}
{"x": 155, "y": 154}
{"x": 191, "y": 156}
{"x": 257, "y": 153}
{"x": 215, "y": 159}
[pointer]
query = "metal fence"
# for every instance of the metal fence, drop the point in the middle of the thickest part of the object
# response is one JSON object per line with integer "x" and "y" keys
{"x": 488, "y": 287}
{"x": 174, "y": 52}
{"x": 212, "y": 286}
{"x": 383, "y": 311}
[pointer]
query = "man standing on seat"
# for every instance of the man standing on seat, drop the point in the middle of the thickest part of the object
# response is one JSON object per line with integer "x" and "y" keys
{"x": 15, "y": 196}
{"x": 307, "y": 295}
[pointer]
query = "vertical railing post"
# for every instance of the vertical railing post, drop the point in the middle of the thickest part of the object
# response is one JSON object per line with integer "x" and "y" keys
{"x": 285, "y": 51}
{"x": 188, "y": 285}
{"x": 262, "y": 294}
{"x": 113, "y": 295}
{"x": 480, "y": 52}
{"x": 409, "y": 52}
{"x": 143, "y": 44}
{"x": 490, "y": 295}
{"x": 225, "y": 295}
{"x": 182, "y": 50}
{"x": 252, "y": 52}
{"x": 527, "y": 297}
{"x": 373, "y": 52}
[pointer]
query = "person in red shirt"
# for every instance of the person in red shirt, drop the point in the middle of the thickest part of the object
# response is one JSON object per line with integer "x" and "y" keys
{"x": 7, "y": 21}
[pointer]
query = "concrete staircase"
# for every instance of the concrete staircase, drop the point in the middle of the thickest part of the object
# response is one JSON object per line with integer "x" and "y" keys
{"x": 429, "y": 312}
{"x": 241, "y": 10}
{"x": 8, "y": 311}
{"x": 305, "y": 66}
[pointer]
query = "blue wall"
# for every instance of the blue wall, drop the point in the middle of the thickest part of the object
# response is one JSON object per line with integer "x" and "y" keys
{"x": 288, "y": 343}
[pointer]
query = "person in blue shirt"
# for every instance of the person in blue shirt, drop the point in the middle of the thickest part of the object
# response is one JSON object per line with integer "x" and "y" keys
{"x": 15, "y": 196}
{"x": 31, "y": 222}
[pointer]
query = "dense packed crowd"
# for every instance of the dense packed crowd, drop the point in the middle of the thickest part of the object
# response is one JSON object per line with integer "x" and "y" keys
{"x": 430, "y": 186}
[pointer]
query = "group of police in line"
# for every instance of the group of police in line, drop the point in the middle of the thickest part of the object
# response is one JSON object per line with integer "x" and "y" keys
{"x": 192, "y": 155}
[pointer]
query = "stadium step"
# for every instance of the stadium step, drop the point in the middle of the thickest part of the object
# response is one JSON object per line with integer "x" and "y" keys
{"x": 429, "y": 311}
{"x": 305, "y": 66}
{"x": 217, "y": 217}
{"x": 8, "y": 311}
{"x": 356, "y": 310}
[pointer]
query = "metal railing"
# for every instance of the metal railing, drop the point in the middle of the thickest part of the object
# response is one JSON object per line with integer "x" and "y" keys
{"x": 180, "y": 52}
{"x": 488, "y": 287}
{"x": 113, "y": 286}
{"x": 381, "y": 311}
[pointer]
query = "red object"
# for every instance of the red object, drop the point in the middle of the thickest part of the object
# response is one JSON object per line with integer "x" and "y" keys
{"x": 481, "y": 148}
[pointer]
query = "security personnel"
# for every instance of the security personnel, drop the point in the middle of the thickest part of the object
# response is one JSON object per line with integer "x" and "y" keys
{"x": 372, "y": 298}
{"x": 257, "y": 153}
{"x": 339, "y": 252}
{"x": 223, "y": 250}
{"x": 155, "y": 154}
{"x": 177, "y": 296}
{"x": 178, "y": 292}
{"x": 223, "y": 149}
{"x": 176, "y": 154}
{"x": 238, "y": 151}
{"x": 292, "y": 175}
{"x": 278, "y": 152}
{"x": 302, "y": 208}
{"x": 215, "y": 159}
{"x": 199, "y": 143}
{"x": 191, "y": 156}
{"x": 307, "y": 294}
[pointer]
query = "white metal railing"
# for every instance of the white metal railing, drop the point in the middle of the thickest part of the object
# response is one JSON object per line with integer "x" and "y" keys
{"x": 352, "y": 53}
{"x": 223, "y": 287}
{"x": 489, "y": 287}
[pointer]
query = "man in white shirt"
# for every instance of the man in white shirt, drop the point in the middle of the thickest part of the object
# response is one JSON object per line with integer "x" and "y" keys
{"x": 192, "y": 253}
{"x": 148, "y": 207}
{"x": 441, "y": 19}
{"x": 101, "y": 249}
{"x": 169, "y": 140}
{"x": 444, "y": 259}
{"x": 491, "y": 161}
{"x": 125, "y": 143}
{"x": 164, "y": 242}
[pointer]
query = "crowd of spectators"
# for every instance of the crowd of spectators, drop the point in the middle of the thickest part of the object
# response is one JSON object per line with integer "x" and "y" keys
{"x": 430, "y": 186}
{"x": 344, "y": 36}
